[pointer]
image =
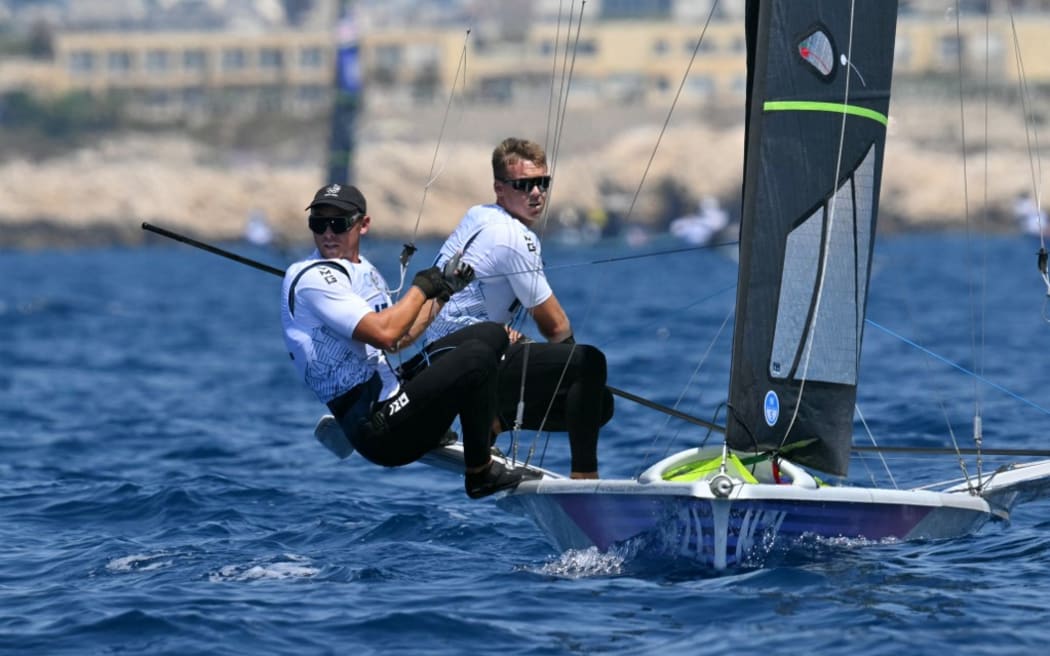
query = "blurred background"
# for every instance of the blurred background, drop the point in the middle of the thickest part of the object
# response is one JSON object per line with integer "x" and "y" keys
{"x": 220, "y": 118}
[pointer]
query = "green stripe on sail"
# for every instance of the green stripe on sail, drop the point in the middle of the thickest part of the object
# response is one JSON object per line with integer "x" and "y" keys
{"x": 813, "y": 106}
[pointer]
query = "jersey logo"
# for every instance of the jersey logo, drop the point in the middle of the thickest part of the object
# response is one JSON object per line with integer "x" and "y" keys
{"x": 397, "y": 404}
{"x": 327, "y": 274}
{"x": 531, "y": 244}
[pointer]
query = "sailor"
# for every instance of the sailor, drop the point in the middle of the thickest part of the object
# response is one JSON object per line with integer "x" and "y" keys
{"x": 338, "y": 320}
{"x": 564, "y": 386}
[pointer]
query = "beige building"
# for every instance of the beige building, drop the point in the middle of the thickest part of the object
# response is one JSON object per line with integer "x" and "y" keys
{"x": 168, "y": 75}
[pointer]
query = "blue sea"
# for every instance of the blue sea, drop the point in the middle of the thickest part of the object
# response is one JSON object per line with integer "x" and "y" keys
{"x": 161, "y": 491}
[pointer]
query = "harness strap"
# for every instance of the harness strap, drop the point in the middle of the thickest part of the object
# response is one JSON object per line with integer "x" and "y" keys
{"x": 295, "y": 281}
{"x": 342, "y": 403}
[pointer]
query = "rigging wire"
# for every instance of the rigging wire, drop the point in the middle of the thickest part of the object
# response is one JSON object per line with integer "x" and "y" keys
{"x": 1035, "y": 162}
{"x": 874, "y": 443}
{"x": 682, "y": 395}
{"x": 981, "y": 350}
{"x": 670, "y": 111}
{"x": 432, "y": 176}
{"x": 656, "y": 147}
{"x": 958, "y": 366}
{"x": 554, "y": 77}
{"x": 552, "y": 156}
{"x": 969, "y": 241}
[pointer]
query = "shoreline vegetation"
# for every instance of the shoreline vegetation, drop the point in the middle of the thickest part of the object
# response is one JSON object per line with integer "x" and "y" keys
{"x": 419, "y": 181}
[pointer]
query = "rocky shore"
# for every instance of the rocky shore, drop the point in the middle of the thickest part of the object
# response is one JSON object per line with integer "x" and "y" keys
{"x": 419, "y": 185}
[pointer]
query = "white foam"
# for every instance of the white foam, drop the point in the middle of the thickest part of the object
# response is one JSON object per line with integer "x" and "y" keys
{"x": 296, "y": 567}
{"x": 581, "y": 563}
{"x": 138, "y": 563}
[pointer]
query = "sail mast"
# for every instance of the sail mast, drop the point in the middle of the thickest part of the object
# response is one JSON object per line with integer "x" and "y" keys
{"x": 818, "y": 96}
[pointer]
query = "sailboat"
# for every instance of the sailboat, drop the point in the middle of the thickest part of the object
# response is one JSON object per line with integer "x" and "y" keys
{"x": 819, "y": 77}
{"x": 818, "y": 90}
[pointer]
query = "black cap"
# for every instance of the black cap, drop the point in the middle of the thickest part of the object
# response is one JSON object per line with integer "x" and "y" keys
{"x": 346, "y": 197}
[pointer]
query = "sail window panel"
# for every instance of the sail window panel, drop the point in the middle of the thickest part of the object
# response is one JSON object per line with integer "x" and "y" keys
{"x": 832, "y": 341}
{"x": 864, "y": 195}
{"x": 797, "y": 285}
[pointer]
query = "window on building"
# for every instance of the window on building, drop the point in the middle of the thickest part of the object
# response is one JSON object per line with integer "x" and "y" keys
{"x": 157, "y": 61}
{"x": 660, "y": 47}
{"x": 118, "y": 62}
{"x": 234, "y": 59}
{"x": 195, "y": 60}
{"x": 311, "y": 58}
{"x": 195, "y": 98}
{"x": 386, "y": 64}
{"x": 271, "y": 59}
{"x": 948, "y": 49}
{"x": 699, "y": 86}
{"x": 706, "y": 45}
{"x": 587, "y": 47}
{"x": 81, "y": 62}
{"x": 312, "y": 93}
{"x": 271, "y": 100}
{"x": 635, "y": 9}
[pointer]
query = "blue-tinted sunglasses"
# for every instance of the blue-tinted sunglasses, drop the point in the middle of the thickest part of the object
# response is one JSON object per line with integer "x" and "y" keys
{"x": 526, "y": 184}
{"x": 338, "y": 224}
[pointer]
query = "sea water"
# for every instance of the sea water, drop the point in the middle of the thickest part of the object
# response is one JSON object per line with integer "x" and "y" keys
{"x": 161, "y": 491}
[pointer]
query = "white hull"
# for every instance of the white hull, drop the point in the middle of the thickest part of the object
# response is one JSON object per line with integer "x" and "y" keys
{"x": 731, "y": 521}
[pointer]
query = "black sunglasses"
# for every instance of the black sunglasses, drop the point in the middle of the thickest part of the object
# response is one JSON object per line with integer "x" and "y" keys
{"x": 338, "y": 224}
{"x": 526, "y": 184}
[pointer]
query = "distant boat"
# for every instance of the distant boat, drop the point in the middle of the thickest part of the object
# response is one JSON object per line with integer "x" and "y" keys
{"x": 701, "y": 228}
{"x": 1030, "y": 218}
{"x": 258, "y": 231}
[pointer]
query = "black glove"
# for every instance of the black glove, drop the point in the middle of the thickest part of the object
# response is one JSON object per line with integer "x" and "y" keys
{"x": 433, "y": 284}
{"x": 457, "y": 274}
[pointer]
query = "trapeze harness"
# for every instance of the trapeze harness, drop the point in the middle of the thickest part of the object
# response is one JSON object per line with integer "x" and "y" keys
{"x": 355, "y": 405}
{"x": 417, "y": 363}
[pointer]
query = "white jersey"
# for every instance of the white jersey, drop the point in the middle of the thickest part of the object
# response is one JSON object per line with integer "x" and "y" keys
{"x": 508, "y": 270}
{"x": 319, "y": 318}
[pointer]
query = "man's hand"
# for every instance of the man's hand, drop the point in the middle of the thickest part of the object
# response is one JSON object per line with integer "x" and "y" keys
{"x": 457, "y": 274}
{"x": 433, "y": 284}
{"x": 514, "y": 335}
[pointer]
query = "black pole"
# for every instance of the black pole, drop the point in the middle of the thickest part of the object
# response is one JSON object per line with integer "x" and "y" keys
{"x": 666, "y": 410}
{"x": 212, "y": 249}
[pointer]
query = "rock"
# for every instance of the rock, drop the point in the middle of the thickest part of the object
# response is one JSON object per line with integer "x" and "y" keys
{"x": 103, "y": 193}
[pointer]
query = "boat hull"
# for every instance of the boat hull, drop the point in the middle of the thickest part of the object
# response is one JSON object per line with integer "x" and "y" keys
{"x": 741, "y": 529}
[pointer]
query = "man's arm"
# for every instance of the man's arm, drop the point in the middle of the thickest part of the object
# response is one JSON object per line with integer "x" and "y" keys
{"x": 385, "y": 329}
{"x": 551, "y": 319}
{"x": 423, "y": 319}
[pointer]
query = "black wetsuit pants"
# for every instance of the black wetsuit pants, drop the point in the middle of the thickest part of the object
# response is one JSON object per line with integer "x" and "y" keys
{"x": 462, "y": 382}
{"x": 569, "y": 398}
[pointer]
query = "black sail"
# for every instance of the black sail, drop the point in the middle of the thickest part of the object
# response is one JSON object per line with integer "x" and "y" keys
{"x": 819, "y": 76}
